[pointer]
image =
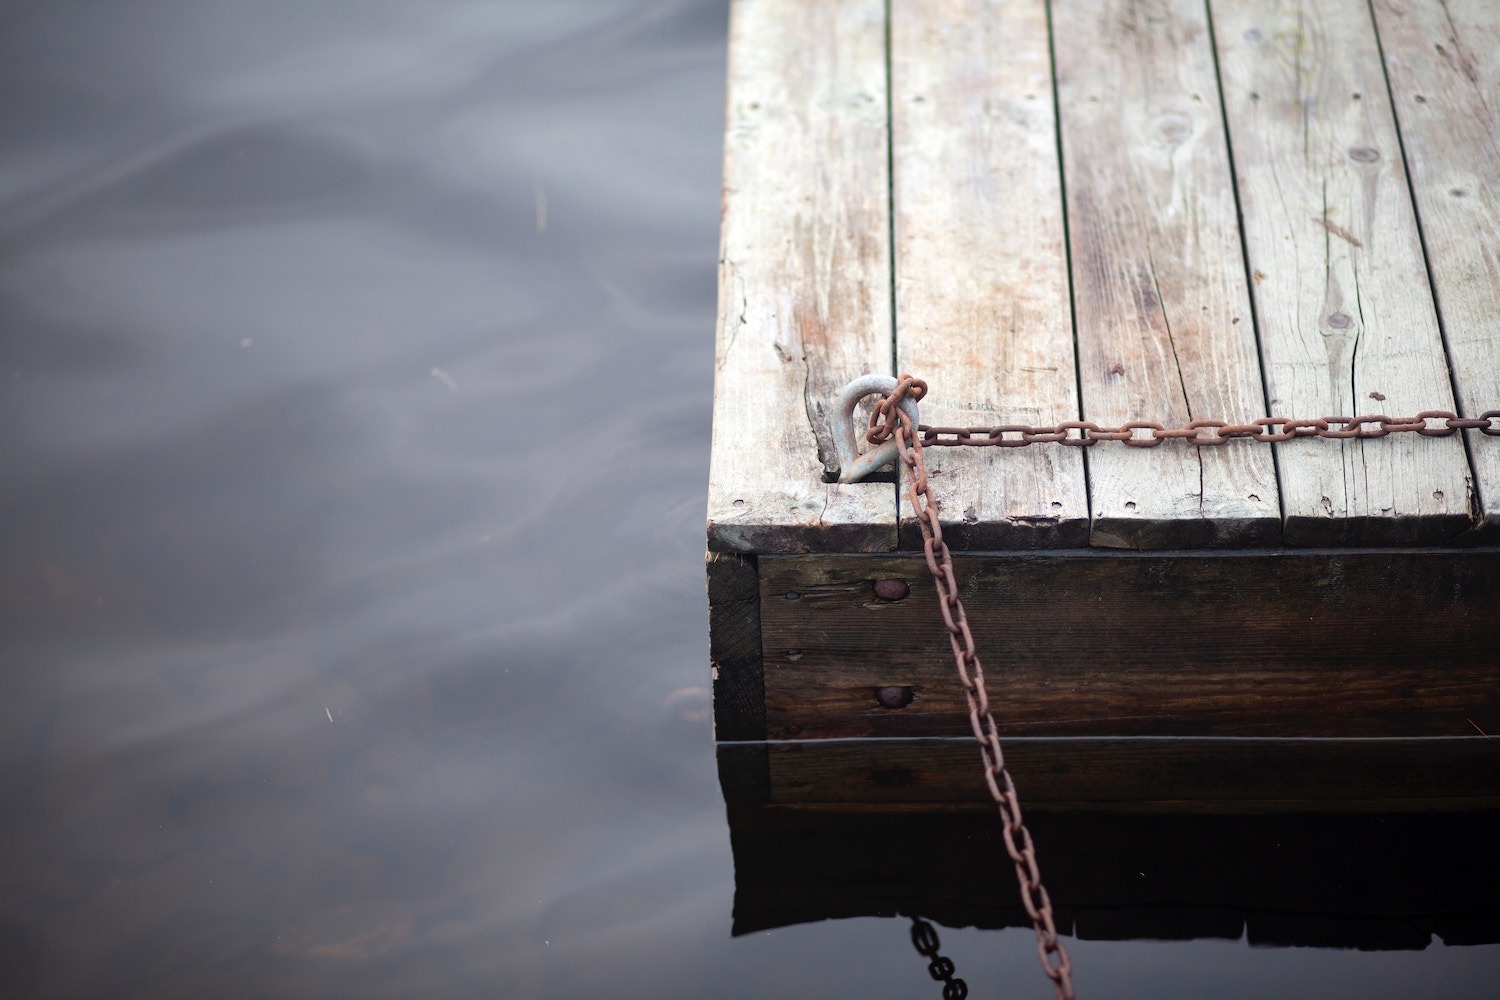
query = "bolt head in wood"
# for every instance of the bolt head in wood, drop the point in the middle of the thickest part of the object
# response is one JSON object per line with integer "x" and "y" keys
{"x": 892, "y": 590}
{"x": 894, "y": 696}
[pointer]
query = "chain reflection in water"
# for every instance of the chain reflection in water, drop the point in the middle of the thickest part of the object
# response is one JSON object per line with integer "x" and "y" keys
{"x": 924, "y": 938}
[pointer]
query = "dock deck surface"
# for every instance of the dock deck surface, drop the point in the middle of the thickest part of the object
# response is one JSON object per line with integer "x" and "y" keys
{"x": 1117, "y": 210}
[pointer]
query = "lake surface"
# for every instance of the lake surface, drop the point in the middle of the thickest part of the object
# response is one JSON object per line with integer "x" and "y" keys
{"x": 357, "y": 365}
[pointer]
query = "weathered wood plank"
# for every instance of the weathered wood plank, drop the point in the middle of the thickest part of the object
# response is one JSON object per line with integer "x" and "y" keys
{"x": 1352, "y": 643}
{"x": 1146, "y": 775}
{"x": 1163, "y": 315}
{"x": 1346, "y": 321}
{"x": 1443, "y": 64}
{"x": 734, "y": 647}
{"x": 804, "y": 274}
{"x": 1330, "y": 880}
{"x": 981, "y": 265}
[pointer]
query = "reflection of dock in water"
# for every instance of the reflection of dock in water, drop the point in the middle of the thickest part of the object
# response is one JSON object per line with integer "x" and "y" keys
{"x": 1374, "y": 881}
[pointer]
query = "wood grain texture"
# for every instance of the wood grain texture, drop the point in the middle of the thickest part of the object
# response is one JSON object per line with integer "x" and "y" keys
{"x": 1351, "y": 643}
{"x": 1346, "y": 321}
{"x": 981, "y": 264}
{"x": 1201, "y": 776}
{"x": 1323, "y": 880}
{"x": 1443, "y": 64}
{"x": 804, "y": 274}
{"x": 1163, "y": 316}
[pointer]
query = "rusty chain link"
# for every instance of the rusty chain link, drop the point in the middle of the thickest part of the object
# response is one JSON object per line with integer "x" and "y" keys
{"x": 1208, "y": 433}
{"x": 888, "y": 418}
{"x": 925, "y": 939}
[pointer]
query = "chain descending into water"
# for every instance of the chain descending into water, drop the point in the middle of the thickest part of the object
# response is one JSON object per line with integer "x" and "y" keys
{"x": 887, "y": 419}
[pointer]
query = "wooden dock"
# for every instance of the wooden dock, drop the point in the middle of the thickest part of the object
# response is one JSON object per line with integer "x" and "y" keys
{"x": 1113, "y": 211}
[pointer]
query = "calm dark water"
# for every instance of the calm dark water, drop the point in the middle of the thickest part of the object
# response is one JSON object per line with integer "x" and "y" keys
{"x": 357, "y": 360}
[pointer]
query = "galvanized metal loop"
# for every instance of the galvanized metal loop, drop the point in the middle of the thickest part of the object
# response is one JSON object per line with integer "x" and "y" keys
{"x": 852, "y": 465}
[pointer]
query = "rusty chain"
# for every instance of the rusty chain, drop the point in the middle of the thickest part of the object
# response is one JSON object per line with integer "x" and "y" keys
{"x": 888, "y": 418}
{"x": 925, "y": 939}
{"x": 1209, "y": 433}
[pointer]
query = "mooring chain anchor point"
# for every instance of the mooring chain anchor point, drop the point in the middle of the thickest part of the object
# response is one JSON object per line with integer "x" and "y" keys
{"x": 901, "y": 439}
{"x": 852, "y": 465}
{"x": 895, "y": 426}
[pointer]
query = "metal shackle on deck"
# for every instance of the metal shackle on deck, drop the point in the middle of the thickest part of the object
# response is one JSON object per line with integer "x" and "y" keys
{"x": 852, "y": 465}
